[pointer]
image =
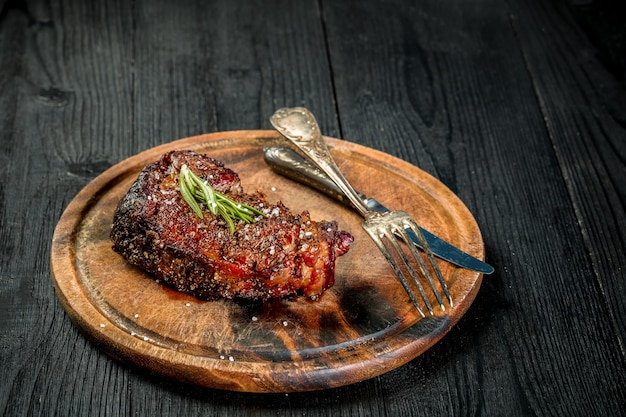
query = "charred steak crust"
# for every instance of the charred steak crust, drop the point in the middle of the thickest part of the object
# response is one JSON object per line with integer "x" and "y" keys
{"x": 280, "y": 255}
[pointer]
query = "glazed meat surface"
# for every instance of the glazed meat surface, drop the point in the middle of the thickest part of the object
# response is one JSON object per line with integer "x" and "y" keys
{"x": 279, "y": 255}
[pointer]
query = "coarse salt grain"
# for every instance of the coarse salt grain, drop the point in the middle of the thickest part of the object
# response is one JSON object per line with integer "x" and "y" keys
{"x": 136, "y": 315}
{"x": 285, "y": 323}
{"x": 254, "y": 318}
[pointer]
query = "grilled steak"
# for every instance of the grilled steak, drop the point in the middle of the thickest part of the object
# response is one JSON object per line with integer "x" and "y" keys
{"x": 279, "y": 255}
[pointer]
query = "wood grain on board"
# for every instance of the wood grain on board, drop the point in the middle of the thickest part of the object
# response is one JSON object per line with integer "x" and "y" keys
{"x": 364, "y": 326}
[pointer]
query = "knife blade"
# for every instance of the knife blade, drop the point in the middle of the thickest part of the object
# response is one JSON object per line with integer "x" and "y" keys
{"x": 290, "y": 164}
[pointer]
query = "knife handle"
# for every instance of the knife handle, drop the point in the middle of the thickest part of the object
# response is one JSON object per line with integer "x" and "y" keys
{"x": 298, "y": 125}
{"x": 289, "y": 163}
{"x": 292, "y": 165}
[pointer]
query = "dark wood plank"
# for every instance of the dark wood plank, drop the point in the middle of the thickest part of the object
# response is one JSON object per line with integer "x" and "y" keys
{"x": 449, "y": 96}
{"x": 584, "y": 106}
{"x": 202, "y": 67}
{"x": 86, "y": 84}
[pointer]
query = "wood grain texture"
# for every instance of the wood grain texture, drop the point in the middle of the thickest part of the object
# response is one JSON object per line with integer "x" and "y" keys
{"x": 473, "y": 118}
{"x": 281, "y": 346}
{"x": 589, "y": 146}
{"x": 507, "y": 103}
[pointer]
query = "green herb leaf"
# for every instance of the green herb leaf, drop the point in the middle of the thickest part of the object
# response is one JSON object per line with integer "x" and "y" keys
{"x": 196, "y": 190}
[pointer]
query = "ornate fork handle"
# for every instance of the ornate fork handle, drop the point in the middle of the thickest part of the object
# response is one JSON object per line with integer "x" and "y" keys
{"x": 299, "y": 126}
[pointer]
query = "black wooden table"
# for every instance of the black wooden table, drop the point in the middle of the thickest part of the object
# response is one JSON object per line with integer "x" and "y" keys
{"x": 518, "y": 106}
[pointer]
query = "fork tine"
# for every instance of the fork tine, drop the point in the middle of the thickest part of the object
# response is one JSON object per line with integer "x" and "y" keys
{"x": 398, "y": 225}
{"x": 404, "y": 235}
{"x": 375, "y": 234}
{"x": 411, "y": 227}
{"x": 403, "y": 232}
{"x": 300, "y": 127}
{"x": 407, "y": 264}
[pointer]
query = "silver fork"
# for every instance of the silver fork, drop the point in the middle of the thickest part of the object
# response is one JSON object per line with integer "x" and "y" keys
{"x": 300, "y": 127}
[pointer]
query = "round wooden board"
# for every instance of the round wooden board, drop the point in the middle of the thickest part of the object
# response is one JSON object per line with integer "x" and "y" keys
{"x": 362, "y": 327}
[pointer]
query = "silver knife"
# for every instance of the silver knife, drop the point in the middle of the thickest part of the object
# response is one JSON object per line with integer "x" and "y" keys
{"x": 287, "y": 162}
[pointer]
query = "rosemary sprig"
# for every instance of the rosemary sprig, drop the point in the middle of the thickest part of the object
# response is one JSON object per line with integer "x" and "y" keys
{"x": 196, "y": 190}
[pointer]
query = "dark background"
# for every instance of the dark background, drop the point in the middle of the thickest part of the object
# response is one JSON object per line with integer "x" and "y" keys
{"x": 517, "y": 106}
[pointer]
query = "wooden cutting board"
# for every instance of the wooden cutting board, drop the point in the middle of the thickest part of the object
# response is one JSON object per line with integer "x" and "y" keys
{"x": 362, "y": 327}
